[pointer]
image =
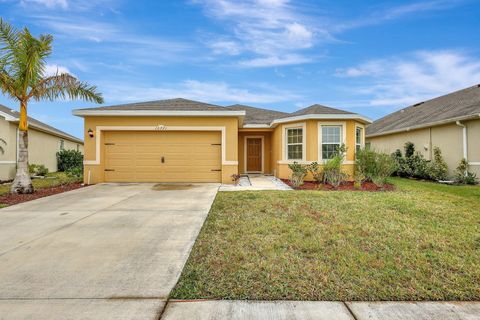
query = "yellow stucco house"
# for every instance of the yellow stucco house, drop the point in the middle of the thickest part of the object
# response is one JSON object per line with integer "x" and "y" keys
{"x": 44, "y": 143}
{"x": 181, "y": 140}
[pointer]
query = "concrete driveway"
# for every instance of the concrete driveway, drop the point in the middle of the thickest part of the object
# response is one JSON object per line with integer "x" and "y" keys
{"x": 109, "y": 251}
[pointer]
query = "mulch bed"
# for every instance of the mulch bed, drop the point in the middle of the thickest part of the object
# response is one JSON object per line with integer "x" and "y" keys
{"x": 11, "y": 198}
{"x": 348, "y": 186}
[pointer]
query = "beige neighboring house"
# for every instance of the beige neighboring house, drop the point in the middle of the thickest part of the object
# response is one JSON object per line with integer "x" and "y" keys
{"x": 44, "y": 143}
{"x": 450, "y": 122}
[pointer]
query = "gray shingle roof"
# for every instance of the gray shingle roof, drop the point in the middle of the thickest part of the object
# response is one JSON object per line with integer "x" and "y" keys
{"x": 40, "y": 125}
{"x": 253, "y": 115}
{"x": 177, "y": 104}
{"x": 452, "y": 106}
{"x": 317, "y": 109}
{"x": 258, "y": 115}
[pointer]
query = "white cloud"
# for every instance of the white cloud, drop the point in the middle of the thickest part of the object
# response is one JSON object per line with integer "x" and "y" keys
{"x": 271, "y": 30}
{"x": 193, "y": 89}
{"x": 53, "y": 69}
{"x": 49, "y": 3}
{"x": 419, "y": 76}
{"x": 273, "y": 61}
{"x": 396, "y": 12}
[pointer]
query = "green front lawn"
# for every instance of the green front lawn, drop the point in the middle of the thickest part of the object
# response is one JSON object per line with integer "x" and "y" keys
{"x": 52, "y": 180}
{"x": 420, "y": 242}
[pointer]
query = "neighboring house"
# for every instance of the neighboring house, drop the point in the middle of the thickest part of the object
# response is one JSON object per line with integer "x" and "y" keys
{"x": 450, "y": 122}
{"x": 180, "y": 140}
{"x": 44, "y": 142}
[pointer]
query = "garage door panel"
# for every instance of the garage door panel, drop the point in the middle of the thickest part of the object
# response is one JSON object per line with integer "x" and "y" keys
{"x": 188, "y": 156}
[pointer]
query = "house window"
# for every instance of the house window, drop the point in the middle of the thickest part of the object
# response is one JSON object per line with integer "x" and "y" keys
{"x": 331, "y": 141}
{"x": 358, "y": 138}
{"x": 294, "y": 144}
{"x": 62, "y": 144}
{"x": 78, "y": 147}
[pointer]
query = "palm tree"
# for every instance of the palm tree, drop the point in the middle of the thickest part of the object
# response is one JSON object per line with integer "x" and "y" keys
{"x": 22, "y": 77}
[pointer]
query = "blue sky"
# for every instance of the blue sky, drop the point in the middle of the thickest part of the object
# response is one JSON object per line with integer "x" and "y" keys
{"x": 370, "y": 57}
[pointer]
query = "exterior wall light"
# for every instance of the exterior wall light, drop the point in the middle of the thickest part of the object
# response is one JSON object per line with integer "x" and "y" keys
{"x": 90, "y": 133}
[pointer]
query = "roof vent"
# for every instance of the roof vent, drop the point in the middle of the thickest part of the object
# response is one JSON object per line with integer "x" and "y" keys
{"x": 417, "y": 104}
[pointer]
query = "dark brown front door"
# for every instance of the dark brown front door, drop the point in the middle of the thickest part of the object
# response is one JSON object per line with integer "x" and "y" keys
{"x": 254, "y": 154}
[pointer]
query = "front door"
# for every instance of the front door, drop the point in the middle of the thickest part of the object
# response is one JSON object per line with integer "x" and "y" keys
{"x": 254, "y": 155}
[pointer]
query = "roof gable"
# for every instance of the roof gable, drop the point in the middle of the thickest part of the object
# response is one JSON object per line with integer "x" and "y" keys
{"x": 318, "y": 109}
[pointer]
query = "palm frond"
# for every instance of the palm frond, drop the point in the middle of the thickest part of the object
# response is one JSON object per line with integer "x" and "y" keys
{"x": 65, "y": 86}
{"x": 2, "y": 151}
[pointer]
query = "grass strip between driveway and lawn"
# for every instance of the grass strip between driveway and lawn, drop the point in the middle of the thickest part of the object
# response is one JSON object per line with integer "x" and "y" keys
{"x": 419, "y": 242}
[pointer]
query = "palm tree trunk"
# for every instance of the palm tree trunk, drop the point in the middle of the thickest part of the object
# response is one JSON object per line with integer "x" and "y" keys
{"x": 22, "y": 182}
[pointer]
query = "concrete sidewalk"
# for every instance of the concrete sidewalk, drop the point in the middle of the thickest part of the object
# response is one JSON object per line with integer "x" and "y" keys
{"x": 319, "y": 310}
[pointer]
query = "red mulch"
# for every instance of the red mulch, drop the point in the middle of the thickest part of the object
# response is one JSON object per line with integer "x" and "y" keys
{"x": 11, "y": 198}
{"x": 349, "y": 186}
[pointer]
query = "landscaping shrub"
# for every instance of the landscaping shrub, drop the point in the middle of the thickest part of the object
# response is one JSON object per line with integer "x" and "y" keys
{"x": 37, "y": 170}
{"x": 414, "y": 165}
{"x": 384, "y": 167}
{"x": 315, "y": 171}
{"x": 437, "y": 169}
{"x": 463, "y": 176}
{"x": 298, "y": 174}
{"x": 402, "y": 168}
{"x": 76, "y": 172}
{"x": 373, "y": 166}
{"x": 418, "y": 166}
{"x": 332, "y": 172}
{"x": 69, "y": 159}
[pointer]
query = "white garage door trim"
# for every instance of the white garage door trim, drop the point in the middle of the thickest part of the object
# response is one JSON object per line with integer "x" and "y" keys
{"x": 157, "y": 128}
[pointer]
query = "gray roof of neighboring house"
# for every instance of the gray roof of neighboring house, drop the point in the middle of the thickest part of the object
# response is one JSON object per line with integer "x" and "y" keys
{"x": 177, "y": 104}
{"x": 317, "y": 109}
{"x": 448, "y": 108}
{"x": 40, "y": 125}
{"x": 258, "y": 115}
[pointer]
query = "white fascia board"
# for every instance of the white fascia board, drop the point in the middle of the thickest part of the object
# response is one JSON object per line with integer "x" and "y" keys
{"x": 322, "y": 117}
{"x": 167, "y": 113}
{"x": 8, "y": 117}
{"x": 425, "y": 125}
{"x": 254, "y": 125}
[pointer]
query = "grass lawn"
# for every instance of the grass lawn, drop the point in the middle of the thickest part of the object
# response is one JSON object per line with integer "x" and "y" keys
{"x": 420, "y": 242}
{"x": 52, "y": 180}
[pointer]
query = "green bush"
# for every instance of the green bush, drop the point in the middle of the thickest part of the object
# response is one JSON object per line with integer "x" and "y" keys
{"x": 384, "y": 168}
{"x": 69, "y": 159}
{"x": 418, "y": 166}
{"x": 332, "y": 172}
{"x": 76, "y": 172}
{"x": 463, "y": 176}
{"x": 402, "y": 168}
{"x": 374, "y": 166}
{"x": 298, "y": 174}
{"x": 437, "y": 169}
{"x": 315, "y": 171}
{"x": 37, "y": 170}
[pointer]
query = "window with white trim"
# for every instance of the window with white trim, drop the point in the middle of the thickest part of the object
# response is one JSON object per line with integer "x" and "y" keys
{"x": 331, "y": 141}
{"x": 62, "y": 145}
{"x": 358, "y": 138}
{"x": 294, "y": 143}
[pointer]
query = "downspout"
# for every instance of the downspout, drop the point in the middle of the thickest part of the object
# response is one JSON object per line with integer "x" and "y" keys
{"x": 465, "y": 145}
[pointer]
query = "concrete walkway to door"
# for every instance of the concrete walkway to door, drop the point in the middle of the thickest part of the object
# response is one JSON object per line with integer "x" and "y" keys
{"x": 256, "y": 182}
{"x": 109, "y": 251}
